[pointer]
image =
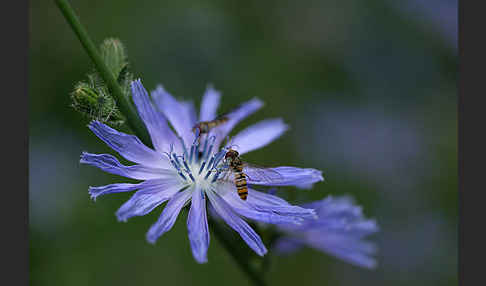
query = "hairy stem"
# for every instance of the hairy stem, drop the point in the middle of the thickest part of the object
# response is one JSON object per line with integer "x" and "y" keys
{"x": 122, "y": 101}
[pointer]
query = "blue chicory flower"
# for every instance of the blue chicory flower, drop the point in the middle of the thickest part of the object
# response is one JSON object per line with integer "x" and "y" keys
{"x": 338, "y": 231}
{"x": 185, "y": 169}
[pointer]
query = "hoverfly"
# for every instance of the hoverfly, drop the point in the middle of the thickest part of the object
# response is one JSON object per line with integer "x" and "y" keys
{"x": 242, "y": 170}
{"x": 205, "y": 126}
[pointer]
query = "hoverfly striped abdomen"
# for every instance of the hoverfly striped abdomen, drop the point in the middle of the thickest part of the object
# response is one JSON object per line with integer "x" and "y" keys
{"x": 240, "y": 182}
{"x": 236, "y": 166}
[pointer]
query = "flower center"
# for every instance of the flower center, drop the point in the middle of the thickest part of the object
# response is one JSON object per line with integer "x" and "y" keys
{"x": 198, "y": 164}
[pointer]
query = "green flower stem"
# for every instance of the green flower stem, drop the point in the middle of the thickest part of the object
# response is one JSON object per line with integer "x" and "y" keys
{"x": 122, "y": 101}
{"x": 241, "y": 257}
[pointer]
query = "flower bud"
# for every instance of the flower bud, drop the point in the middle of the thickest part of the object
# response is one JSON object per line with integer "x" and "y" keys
{"x": 114, "y": 55}
{"x": 95, "y": 104}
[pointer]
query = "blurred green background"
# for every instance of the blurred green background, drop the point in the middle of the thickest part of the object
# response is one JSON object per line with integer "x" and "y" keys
{"x": 368, "y": 88}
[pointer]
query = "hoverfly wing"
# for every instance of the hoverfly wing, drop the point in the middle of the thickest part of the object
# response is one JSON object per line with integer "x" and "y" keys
{"x": 257, "y": 174}
{"x": 226, "y": 175}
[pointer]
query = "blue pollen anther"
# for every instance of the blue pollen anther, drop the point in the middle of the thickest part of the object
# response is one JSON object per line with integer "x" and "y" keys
{"x": 185, "y": 165}
{"x": 177, "y": 167}
{"x": 183, "y": 145}
{"x": 202, "y": 167}
{"x": 210, "y": 162}
{"x": 188, "y": 170}
{"x": 207, "y": 175}
{"x": 182, "y": 175}
{"x": 176, "y": 160}
{"x": 204, "y": 149}
{"x": 174, "y": 164}
{"x": 206, "y": 155}
{"x": 198, "y": 132}
{"x": 216, "y": 176}
{"x": 195, "y": 144}
{"x": 218, "y": 158}
{"x": 209, "y": 152}
{"x": 191, "y": 154}
{"x": 192, "y": 178}
{"x": 196, "y": 152}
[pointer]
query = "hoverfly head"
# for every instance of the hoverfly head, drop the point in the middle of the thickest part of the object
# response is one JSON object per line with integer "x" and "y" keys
{"x": 231, "y": 154}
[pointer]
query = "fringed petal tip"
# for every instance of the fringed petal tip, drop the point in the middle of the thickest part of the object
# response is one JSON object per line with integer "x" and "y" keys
{"x": 371, "y": 225}
{"x": 316, "y": 177}
{"x": 86, "y": 158}
{"x": 201, "y": 261}
{"x": 257, "y": 102}
{"x": 92, "y": 193}
{"x": 313, "y": 215}
{"x": 121, "y": 219}
{"x": 95, "y": 192}
{"x": 315, "y": 174}
{"x": 150, "y": 239}
{"x": 136, "y": 82}
{"x": 92, "y": 123}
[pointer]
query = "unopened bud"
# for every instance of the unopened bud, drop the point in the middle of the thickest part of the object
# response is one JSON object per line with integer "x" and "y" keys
{"x": 95, "y": 104}
{"x": 114, "y": 55}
